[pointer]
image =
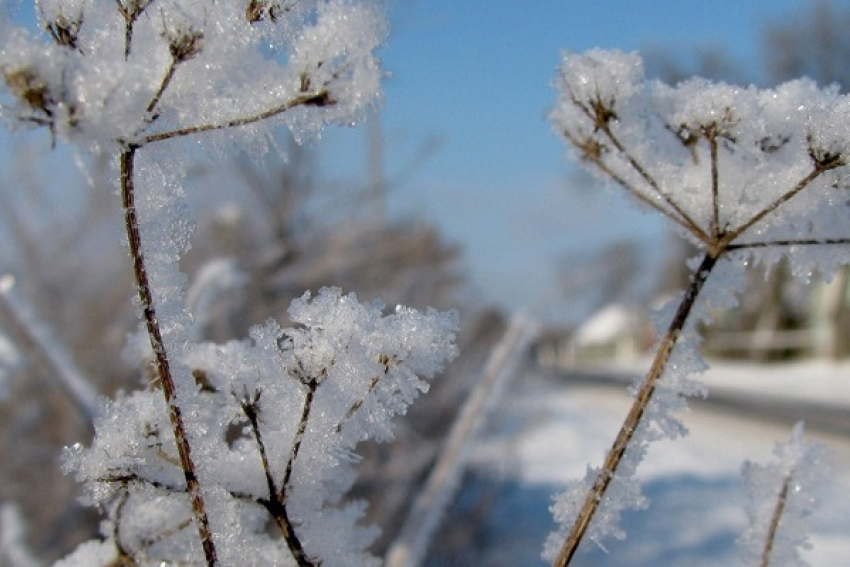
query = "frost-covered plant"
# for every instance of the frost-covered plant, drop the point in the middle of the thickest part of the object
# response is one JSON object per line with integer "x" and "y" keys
{"x": 281, "y": 415}
{"x": 782, "y": 497}
{"x": 746, "y": 175}
{"x": 133, "y": 78}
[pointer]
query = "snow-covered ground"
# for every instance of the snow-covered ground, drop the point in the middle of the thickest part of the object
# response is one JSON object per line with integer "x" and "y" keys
{"x": 546, "y": 431}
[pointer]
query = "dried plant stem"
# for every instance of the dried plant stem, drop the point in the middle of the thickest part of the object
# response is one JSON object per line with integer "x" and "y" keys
{"x": 786, "y": 243}
{"x": 781, "y": 500}
{"x": 688, "y": 221}
{"x": 130, "y": 10}
{"x": 312, "y": 386}
{"x": 131, "y": 223}
{"x": 802, "y": 184}
{"x": 715, "y": 187}
{"x": 166, "y": 80}
{"x": 276, "y": 502}
{"x": 593, "y": 152}
{"x": 318, "y": 98}
{"x": 633, "y": 419}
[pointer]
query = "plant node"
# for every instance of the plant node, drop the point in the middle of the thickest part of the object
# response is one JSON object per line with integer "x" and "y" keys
{"x": 30, "y": 89}
{"x": 184, "y": 44}
{"x": 65, "y": 31}
{"x": 261, "y": 10}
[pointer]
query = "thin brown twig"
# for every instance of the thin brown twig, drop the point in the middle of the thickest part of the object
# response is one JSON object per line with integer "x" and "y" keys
{"x": 166, "y": 533}
{"x": 596, "y": 159}
{"x": 130, "y": 10}
{"x": 633, "y": 419}
{"x": 386, "y": 362}
{"x": 715, "y": 184}
{"x": 318, "y": 98}
{"x": 601, "y": 114}
{"x": 127, "y": 160}
{"x": 772, "y": 530}
{"x": 690, "y": 223}
{"x": 786, "y": 243}
{"x": 166, "y": 80}
{"x": 312, "y": 385}
{"x": 802, "y": 184}
{"x": 276, "y": 502}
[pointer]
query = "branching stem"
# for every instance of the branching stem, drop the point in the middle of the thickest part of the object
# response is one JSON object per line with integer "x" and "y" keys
{"x": 130, "y": 10}
{"x": 802, "y": 184}
{"x": 689, "y": 222}
{"x": 594, "y": 156}
{"x": 276, "y": 502}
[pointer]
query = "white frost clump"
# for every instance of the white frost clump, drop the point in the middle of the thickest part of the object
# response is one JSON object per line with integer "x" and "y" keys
{"x": 758, "y": 171}
{"x": 283, "y": 414}
{"x": 107, "y": 71}
{"x": 745, "y": 174}
{"x": 782, "y": 496}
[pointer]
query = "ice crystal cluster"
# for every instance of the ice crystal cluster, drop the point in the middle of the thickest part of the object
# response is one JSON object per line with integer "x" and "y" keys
{"x": 747, "y": 175}
{"x": 281, "y": 416}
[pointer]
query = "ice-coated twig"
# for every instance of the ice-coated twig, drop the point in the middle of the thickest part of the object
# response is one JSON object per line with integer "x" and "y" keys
{"x": 130, "y": 10}
{"x": 316, "y": 98}
{"x": 163, "y": 365}
{"x": 20, "y": 320}
{"x": 781, "y": 500}
{"x": 633, "y": 419}
{"x": 782, "y": 495}
{"x": 276, "y": 502}
{"x": 410, "y": 545}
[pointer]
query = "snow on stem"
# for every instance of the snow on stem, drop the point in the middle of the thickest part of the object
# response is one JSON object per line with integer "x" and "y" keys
{"x": 163, "y": 367}
{"x": 633, "y": 419}
{"x": 195, "y": 68}
{"x": 782, "y": 495}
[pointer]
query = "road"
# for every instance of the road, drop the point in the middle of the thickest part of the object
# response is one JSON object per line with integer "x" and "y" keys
{"x": 818, "y": 417}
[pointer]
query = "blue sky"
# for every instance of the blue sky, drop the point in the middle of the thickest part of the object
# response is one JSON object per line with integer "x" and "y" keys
{"x": 476, "y": 75}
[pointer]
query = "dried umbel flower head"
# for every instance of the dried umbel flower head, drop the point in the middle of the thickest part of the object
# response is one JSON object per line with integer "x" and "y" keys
{"x": 30, "y": 89}
{"x": 261, "y": 10}
{"x": 184, "y": 44}
{"x": 65, "y": 30}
